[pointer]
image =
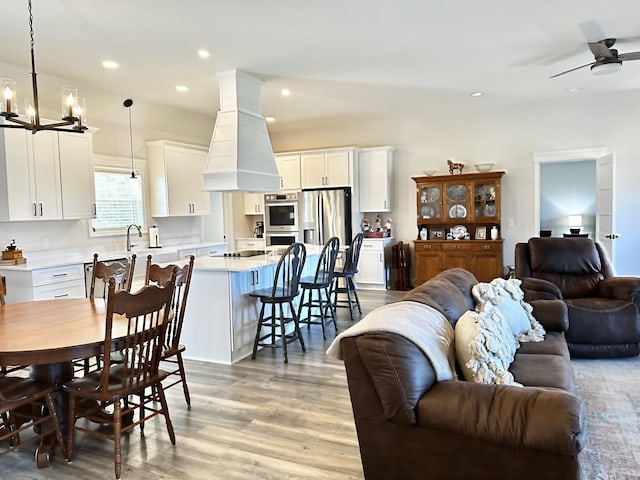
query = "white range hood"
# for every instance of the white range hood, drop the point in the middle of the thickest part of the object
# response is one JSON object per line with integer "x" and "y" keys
{"x": 240, "y": 155}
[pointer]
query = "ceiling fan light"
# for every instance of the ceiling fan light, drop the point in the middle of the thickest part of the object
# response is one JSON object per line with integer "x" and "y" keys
{"x": 606, "y": 68}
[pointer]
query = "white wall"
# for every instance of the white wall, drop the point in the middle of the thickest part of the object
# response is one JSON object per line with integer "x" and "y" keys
{"x": 506, "y": 135}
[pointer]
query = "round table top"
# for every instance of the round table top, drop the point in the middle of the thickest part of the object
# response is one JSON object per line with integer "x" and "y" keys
{"x": 50, "y": 331}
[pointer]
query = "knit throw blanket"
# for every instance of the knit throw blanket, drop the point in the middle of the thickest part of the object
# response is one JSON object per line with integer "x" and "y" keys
{"x": 427, "y": 328}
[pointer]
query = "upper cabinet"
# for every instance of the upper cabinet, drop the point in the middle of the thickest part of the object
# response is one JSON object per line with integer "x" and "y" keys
{"x": 253, "y": 203}
{"x": 289, "y": 169}
{"x": 176, "y": 184}
{"x": 327, "y": 168}
{"x": 46, "y": 176}
{"x": 459, "y": 199}
{"x": 375, "y": 175}
{"x": 76, "y": 176}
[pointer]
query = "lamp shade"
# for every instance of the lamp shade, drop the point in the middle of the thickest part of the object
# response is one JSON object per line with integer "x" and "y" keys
{"x": 575, "y": 220}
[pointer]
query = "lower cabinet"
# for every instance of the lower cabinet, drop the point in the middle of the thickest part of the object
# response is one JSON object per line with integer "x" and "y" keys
{"x": 66, "y": 281}
{"x": 250, "y": 244}
{"x": 482, "y": 258}
{"x": 373, "y": 264}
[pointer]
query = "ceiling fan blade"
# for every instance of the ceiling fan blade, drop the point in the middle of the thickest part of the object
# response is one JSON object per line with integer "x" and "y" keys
{"x": 600, "y": 50}
{"x": 629, "y": 56}
{"x": 572, "y": 69}
{"x": 591, "y": 31}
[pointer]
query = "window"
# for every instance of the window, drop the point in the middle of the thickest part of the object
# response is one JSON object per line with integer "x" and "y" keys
{"x": 118, "y": 201}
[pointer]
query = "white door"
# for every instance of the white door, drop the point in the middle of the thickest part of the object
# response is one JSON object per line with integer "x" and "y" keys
{"x": 605, "y": 224}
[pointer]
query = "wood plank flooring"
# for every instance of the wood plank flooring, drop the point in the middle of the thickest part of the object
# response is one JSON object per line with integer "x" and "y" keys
{"x": 257, "y": 419}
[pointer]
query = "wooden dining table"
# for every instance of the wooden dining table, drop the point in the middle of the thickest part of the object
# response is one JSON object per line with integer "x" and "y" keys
{"x": 48, "y": 335}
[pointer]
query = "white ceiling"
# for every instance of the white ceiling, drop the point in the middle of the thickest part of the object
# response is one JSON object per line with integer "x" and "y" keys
{"x": 341, "y": 59}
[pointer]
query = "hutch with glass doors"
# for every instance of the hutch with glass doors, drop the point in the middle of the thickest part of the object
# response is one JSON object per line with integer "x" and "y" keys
{"x": 458, "y": 220}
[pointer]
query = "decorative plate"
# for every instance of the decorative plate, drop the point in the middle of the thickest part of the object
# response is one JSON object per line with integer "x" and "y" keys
{"x": 458, "y": 231}
{"x": 458, "y": 211}
{"x": 489, "y": 210}
{"x": 457, "y": 192}
{"x": 427, "y": 211}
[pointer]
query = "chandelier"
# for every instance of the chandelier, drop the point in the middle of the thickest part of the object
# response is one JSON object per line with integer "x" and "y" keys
{"x": 73, "y": 108}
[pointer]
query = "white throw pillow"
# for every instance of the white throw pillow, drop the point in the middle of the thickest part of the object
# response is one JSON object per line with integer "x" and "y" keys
{"x": 485, "y": 347}
{"x": 508, "y": 297}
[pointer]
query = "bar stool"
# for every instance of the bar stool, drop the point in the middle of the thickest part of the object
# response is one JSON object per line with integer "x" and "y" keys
{"x": 319, "y": 285}
{"x": 284, "y": 289}
{"x": 349, "y": 270}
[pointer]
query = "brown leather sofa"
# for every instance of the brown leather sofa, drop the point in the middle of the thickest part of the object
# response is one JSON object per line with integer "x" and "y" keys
{"x": 604, "y": 318}
{"x": 412, "y": 427}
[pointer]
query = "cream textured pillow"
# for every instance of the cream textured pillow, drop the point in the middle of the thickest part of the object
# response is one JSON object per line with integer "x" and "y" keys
{"x": 485, "y": 347}
{"x": 508, "y": 297}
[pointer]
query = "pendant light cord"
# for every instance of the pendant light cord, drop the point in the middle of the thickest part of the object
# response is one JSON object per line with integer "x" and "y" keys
{"x": 127, "y": 103}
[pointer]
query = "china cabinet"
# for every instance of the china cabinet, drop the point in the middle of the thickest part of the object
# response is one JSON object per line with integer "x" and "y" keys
{"x": 375, "y": 175}
{"x": 458, "y": 212}
{"x": 176, "y": 184}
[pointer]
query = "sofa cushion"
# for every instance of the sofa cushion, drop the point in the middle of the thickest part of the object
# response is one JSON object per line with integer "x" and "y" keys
{"x": 485, "y": 347}
{"x": 554, "y": 343}
{"x": 507, "y": 296}
{"x": 539, "y": 370}
{"x": 442, "y": 295}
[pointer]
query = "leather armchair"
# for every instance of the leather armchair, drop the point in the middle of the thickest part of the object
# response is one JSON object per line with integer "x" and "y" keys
{"x": 604, "y": 318}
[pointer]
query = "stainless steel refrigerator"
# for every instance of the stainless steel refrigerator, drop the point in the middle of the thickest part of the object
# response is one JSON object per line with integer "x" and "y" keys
{"x": 326, "y": 213}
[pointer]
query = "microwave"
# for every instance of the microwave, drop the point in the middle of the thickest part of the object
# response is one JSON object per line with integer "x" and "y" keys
{"x": 281, "y": 212}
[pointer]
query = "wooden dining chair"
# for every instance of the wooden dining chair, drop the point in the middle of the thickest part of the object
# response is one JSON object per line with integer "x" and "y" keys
{"x": 3, "y": 289}
{"x": 147, "y": 313}
{"x": 21, "y": 401}
{"x": 122, "y": 273}
{"x": 173, "y": 349}
{"x": 285, "y": 288}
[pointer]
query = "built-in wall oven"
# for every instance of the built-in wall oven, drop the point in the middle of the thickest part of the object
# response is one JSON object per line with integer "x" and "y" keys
{"x": 281, "y": 239}
{"x": 281, "y": 218}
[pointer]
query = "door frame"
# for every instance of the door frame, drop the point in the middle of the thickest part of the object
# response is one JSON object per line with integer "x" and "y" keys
{"x": 569, "y": 155}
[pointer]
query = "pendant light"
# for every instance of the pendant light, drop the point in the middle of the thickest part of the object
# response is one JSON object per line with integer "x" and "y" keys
{"x": 73, "y": 108}
{"x": 127, "y": 103}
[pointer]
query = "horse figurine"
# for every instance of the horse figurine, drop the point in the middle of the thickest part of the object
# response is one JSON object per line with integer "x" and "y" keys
{"x": 453, "y": 166}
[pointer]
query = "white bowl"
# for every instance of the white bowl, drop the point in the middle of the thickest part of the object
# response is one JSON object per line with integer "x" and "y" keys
{"x": 484, "y": 167}
{"x": 428, "y": 173}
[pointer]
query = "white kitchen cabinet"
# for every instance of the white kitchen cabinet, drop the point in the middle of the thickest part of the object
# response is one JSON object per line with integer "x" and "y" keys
{"x": 63, "y": 281}
{"x": 253, "y": 203}
{"x": 211, "y": 250}
{"x": 176, "y": 184}
{"x": 289, "y": 169}
{"x": 76, "y": 176}
{"x": 375, "y": 177}
{"x": 250, "y": 244}
{"x": 327, "y": 168}
{"x": 373, "y": 264}
{"x": 30, "y": 176}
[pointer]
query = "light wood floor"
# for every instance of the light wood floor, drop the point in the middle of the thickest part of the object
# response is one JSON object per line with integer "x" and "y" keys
{"x": 258, "y": 419}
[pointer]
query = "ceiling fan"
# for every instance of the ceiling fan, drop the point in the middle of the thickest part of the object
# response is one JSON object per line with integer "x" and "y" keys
{"x": 607, "y": 59}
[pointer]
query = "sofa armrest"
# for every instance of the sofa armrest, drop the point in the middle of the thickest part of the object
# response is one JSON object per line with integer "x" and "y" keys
{"x": 552, "y": 314}
{"x": 515, "y": 417}
{"x": 539, "y": 289}
{"x": 621, "y": 288}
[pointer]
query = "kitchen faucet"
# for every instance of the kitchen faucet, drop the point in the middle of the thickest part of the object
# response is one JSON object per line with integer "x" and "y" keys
{"x": 129, "y": 244}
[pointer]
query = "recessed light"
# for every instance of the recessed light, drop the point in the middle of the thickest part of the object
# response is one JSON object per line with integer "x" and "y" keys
{"x": 477, "y": 94}
{"x": 285, "y": 92}
{"x": 270, "y": 119}
{"x": 182, "y": 88}
{"x": 202, "y": 53}
{"x": 110, "y": 64}
{"x": 574, "y": 90}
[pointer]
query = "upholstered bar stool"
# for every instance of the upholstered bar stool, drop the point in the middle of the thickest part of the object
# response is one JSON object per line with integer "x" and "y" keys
{"x": 316, "y": 289}
{"x": 349, "y": 270}
{"x": 284, "y": 289}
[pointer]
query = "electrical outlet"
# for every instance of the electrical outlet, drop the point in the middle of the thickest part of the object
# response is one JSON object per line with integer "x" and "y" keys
{"x": 45, "y": 242}
{"x": 511, "y": 222}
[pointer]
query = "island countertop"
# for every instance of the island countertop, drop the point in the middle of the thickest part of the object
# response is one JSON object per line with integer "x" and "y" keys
{"x": 243, "y": 264}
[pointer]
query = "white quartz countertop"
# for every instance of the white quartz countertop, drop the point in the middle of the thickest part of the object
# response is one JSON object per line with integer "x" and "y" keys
{"x": 71, "y": 257}
{"x": 242, "y": 264}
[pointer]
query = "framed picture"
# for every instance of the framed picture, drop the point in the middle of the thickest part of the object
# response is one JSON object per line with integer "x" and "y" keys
{"x": 481, "y": 233}
{"x": 436, "y": 234}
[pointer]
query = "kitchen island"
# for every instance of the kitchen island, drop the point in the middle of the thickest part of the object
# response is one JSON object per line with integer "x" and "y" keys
{"x": 221, "y": 319}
